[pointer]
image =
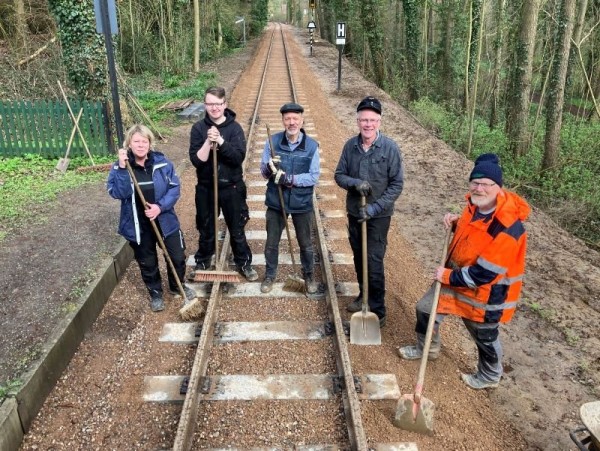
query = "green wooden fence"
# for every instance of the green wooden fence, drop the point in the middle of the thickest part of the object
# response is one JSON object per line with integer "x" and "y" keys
{"x": 44, "y": 127}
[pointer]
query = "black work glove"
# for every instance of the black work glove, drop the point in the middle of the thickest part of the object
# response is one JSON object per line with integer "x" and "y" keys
{"x": 363, "y": 188}
{"x": 282, "y": 178}
{"x": 363, "y": 214}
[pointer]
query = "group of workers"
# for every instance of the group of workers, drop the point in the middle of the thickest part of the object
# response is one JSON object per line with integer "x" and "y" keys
{"x": 481, "y": 279}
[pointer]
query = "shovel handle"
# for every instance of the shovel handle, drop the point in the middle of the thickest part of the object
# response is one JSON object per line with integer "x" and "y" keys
{"x": 430, "y": 324}
{"x": 365, "y": 261}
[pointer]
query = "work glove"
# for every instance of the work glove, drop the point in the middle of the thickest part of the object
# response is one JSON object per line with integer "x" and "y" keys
{"x": 363, "y": 213}
{"x": 274, "y": 163}
{"x": 281, "y": 178}
{"x": 363, "y": 188}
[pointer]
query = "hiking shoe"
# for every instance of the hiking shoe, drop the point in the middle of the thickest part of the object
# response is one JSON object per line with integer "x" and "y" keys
{"x": 414, "y": 353}
{"x": 156, "y": 301}
{"x": 202, "y": 266}
{"x": 249, "y": 273}
{"x": 189, "y": 293}
{"x": 267, "y": 285}
{"x": 356, "y": 305}
{"x": 476, "y": 383}
{"x": 382, "y": 322}
{"x": 311, "y": 286}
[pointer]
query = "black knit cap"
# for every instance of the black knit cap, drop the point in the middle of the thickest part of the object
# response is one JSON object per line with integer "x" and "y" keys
{"x": 487, "y": 167}
{"x": 291, "y": 108}
{"x": 369, "y": 103}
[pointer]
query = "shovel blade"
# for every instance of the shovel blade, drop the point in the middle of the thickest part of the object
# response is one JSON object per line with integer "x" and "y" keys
{"x": 405, "y": 415}
{"x": 364, "y": 329}
{"x": 63, "y": 164}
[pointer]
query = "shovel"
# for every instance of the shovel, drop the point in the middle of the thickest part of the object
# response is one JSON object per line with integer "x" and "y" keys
{"x": 364, "y": 325}
{"x": 415, "y": 412}
{"x": 63, "y": 163}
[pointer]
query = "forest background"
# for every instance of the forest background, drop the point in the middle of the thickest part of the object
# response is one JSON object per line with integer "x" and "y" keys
{"x": 519, "y": 78}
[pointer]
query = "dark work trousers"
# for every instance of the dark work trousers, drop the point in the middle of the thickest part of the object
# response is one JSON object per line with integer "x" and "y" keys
{"x": 146, "y": 254}
{"x": 275, "y": 227}
{"x": 485, "y": 335}
{"x": 377, "y": 230}
{"x": 232, "y": 202}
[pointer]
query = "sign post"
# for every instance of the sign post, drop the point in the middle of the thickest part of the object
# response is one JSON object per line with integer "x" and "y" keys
{"x": 311, "y": 28}
{"x": 340, "y": 41}
{"x": 106, "y": 21}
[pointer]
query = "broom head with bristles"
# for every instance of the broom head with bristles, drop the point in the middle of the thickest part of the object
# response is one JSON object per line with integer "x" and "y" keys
{"x": 217, "y": 276}
{"x": 294, "y": 283}
{"x": 192, "y": 309}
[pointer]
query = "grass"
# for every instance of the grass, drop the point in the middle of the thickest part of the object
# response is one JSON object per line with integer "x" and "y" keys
{"x": 29, "y": 183}
{"x": 9, "y": 388}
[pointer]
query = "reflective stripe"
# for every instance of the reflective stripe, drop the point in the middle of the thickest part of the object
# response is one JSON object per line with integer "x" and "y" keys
{"x": 510, "y": 280}
{"x": 467, "y": 277}
{"x": 491, "y": 266}
{"x": 136, "y": 221}
{"x": 476, "y": 304}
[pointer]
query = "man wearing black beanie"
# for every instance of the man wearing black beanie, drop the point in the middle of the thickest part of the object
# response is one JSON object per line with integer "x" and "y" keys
{"x": 483, "y": 275}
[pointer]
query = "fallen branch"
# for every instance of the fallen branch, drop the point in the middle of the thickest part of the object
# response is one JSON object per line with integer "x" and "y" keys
{"x": 37, "y": 52}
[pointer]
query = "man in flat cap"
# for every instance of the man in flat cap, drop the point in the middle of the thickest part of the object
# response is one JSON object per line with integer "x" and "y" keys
{"x": 371, "y": 167}
{"x": 295, "y": 167}
{"x": 482, "y": 278}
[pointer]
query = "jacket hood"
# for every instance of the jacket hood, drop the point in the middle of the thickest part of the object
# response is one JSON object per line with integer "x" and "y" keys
{"x": 229, "y": 118}
{"x": 509, "y": 206}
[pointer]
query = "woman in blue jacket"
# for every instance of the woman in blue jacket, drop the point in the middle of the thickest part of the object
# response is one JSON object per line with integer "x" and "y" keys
{"x": 160, "y": 186}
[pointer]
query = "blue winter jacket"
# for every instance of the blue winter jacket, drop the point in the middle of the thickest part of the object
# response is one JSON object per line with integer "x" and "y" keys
{"x": 166, "y": 192}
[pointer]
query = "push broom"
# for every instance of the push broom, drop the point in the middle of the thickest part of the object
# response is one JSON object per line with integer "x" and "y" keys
{"x": 192, "y": 308}
{"x": 293, "y": 282}
{"x": 216, "y": 275}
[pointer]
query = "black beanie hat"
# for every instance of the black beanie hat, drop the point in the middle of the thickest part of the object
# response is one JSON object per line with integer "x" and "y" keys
{"x": 487, "y": 166}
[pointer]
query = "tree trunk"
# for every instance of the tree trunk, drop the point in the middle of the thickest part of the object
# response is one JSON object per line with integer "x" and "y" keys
{"x": 20, "y": 26}
{"x": 557, "y": 85}
{"x": 196, "y": 36}
{"x": 411, "y": 19}
{"x": 372, "y": 29}
{"x": 498, "y": 47}
{"x": 476, "y": 79}
{"x": 447, "y": 70}
{"x": 517, "y": 114}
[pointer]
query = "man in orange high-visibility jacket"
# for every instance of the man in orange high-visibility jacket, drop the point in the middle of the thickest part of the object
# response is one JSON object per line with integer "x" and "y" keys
{"x": 483, "y": 275}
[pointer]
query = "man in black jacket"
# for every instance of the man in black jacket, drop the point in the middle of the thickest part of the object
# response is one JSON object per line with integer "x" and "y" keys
{"x": 370, "y": 166}
{"x": 219, "y": 127}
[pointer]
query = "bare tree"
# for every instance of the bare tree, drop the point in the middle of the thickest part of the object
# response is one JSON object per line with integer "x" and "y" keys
{"x": 556, "y": 95}
{"x": 517, "y": 114}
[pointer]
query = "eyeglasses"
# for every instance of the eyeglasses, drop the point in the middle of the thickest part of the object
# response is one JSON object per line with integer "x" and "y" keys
{"x": 483, "y": 185}
{"x": 210, "y": 105}
{"x": 368, "y": 121}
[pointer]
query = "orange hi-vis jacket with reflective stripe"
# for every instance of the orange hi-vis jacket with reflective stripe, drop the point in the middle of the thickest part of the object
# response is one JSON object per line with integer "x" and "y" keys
{"x": 486, "y": 262}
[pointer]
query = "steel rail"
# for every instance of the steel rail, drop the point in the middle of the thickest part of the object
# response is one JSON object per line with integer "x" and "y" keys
{"x": 188, "y": 419}
{"x": 356, "y": 431}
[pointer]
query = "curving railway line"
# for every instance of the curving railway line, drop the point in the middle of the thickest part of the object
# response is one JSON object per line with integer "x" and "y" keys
{"x": 242, "y": 325}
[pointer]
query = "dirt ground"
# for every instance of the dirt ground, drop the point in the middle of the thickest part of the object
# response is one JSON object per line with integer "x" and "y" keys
{"x": 552, "y": 348}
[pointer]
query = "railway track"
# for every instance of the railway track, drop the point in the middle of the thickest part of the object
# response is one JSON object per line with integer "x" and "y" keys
{"x": 280, "y": 359}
